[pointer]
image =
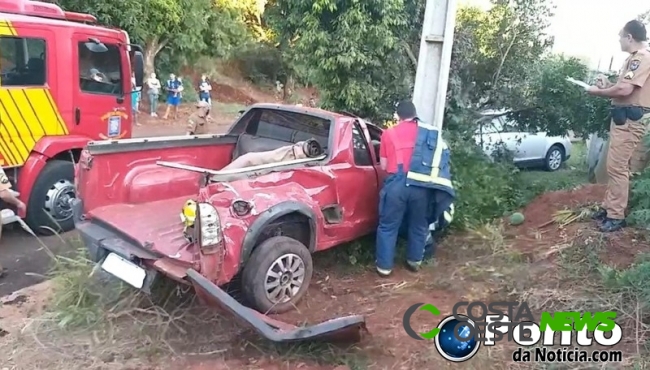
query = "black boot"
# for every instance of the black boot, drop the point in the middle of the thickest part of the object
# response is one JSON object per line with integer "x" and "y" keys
{"x": 600, "y": 214}
{"x": 610, "y": 225}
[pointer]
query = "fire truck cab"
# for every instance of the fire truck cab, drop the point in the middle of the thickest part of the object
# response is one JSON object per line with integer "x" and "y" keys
{"x": 64, "y": 81}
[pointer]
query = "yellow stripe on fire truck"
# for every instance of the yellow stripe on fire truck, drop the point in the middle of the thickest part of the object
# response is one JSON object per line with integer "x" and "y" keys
{"x": 26, "y": 115}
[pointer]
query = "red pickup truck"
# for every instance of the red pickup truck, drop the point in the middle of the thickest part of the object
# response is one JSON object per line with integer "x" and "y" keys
{"x": 167, "y": 205}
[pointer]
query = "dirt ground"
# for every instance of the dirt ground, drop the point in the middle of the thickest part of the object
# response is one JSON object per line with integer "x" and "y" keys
{"x": 490, "y": 263}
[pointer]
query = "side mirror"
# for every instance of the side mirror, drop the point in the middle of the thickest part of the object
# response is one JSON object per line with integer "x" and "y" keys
{"x": 138, "y": 68}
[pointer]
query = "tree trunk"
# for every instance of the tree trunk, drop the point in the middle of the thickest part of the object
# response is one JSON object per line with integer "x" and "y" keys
{"x": 288, "y": 86}
{"x": 151, "y": 49}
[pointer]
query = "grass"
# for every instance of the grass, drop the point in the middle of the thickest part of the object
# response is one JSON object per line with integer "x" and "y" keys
{"x": 573, "y": 173}
{"x": 227, "y": 108}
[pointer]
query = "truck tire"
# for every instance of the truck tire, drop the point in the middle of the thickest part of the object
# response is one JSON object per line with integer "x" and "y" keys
{"x": 277, "y": 275}
{"x": 49, "y": 207}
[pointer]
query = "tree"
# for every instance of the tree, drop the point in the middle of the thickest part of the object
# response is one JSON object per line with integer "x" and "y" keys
{"x": 189, "y": 27}
{"x": 352, "y": 50}
{"x": 552, "y": 104}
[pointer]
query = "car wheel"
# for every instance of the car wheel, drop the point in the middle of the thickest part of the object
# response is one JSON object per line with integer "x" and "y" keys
{"x": 554, "y": 158}
{"x": 277, "y": 274}
{"x": 48, "y": 208}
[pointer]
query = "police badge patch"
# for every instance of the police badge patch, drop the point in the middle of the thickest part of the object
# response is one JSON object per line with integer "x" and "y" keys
{"x": 634, "y": 65}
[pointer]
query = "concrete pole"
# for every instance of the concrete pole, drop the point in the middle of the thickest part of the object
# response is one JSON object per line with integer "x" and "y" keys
{"x": 432, "y": 77}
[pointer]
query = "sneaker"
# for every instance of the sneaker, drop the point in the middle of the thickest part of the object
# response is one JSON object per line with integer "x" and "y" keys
{"x": 600, "y": 214}
{"x": 413, "y": 266}
{"x": 384, "y": 272}
{"x": 610, "y": 225}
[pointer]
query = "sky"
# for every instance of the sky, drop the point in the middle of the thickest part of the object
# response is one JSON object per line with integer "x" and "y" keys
{"x": 589, "y": 28}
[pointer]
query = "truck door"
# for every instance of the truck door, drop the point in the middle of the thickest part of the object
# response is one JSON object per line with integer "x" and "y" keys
{"x": 360, "y": 201}
{"x": 102, "y": 103}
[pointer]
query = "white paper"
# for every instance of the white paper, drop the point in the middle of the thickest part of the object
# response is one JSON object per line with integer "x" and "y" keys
{"x": 584, "y": 85}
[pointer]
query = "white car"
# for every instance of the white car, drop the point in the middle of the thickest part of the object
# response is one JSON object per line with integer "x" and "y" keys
{"x": 496, "y": 133}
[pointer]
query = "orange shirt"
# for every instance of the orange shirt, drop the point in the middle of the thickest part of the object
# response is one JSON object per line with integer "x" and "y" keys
{"x": 397, "y": 143}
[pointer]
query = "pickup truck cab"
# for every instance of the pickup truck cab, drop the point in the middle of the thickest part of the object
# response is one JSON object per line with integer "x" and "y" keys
{"x": 261, "y": 222}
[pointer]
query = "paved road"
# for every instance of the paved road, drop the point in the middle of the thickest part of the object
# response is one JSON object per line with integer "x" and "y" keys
{"x": 25, "y": 260}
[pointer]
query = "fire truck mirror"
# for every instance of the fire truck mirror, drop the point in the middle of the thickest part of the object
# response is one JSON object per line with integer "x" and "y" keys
{"x": 138, "y": 68}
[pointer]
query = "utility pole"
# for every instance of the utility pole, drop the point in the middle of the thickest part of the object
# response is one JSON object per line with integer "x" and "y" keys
{"x": 432, "y": 77}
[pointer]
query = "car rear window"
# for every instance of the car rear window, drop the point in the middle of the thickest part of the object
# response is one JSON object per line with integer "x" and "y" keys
{"x": 289, "y": 126}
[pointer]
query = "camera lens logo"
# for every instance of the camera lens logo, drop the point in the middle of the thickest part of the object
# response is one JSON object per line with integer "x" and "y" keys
{"x": 455, "y": 340}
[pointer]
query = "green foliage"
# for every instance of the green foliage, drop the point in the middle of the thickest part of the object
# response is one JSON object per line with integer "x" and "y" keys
{"x": 485, "y": 189}
{"x": 188, "y": 28}
{"x": 639, "y": 204}
{"x": 548, "y": 93}
{"x": 352, "y": 49}
{"x": 260, "y": 63}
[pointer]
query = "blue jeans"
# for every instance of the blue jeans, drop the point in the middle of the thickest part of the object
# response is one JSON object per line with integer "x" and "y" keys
{"x": 204, "y": 97}
{"x": 397, "y": 203}
{"x": 153, "y": 103}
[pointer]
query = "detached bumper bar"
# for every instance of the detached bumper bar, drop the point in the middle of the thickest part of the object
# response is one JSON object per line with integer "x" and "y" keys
{"x": 342, "y": 329}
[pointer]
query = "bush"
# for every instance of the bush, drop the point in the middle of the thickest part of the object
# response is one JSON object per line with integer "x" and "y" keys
{"x": 259, "y": 63}
{"x": 485, "y": 189}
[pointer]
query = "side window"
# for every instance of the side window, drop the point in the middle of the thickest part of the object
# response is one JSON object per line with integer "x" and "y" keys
{"x": 100, "y": 69}
{"x": 361, "y": 153}
{"x": 22, "y": 61}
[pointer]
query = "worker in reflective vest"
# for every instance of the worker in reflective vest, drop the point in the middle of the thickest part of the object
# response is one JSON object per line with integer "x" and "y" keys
{"x": 417, "y": 162}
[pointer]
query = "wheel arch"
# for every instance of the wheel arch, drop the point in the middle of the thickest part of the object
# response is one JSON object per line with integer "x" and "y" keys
{"x": 290, "y": 210}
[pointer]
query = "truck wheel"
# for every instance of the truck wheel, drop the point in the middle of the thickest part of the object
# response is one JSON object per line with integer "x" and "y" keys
{"x": 49, "y": 203}
{"x": 277, "y": 274}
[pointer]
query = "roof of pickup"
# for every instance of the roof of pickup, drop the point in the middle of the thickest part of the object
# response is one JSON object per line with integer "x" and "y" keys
{"x": 300, "y": 109}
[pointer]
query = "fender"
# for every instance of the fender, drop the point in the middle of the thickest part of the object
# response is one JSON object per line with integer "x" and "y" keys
{"x": 50, "y": 146}
{"x": 272, "y": 214}
{"x": 27, "y": 175}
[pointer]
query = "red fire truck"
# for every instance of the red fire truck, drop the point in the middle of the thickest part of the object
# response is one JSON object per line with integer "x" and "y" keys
{"x": 64, "y": 81}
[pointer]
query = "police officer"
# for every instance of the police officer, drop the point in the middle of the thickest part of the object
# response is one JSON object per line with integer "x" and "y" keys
{"x": 630, "y": 115}
{"x": 197, "y": 123}
{"x": 8, "y": 197}
{"x": 408, "y": 192}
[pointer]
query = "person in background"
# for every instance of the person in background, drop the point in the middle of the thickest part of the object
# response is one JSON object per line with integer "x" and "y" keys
{"x": 153, "y": 91}
{"x": 630, "y": 117}
{"x": 180, "y": 89}
{"x": 7, "y": 196}
{"x": 197, "y": 123}
{"x": 173, "y": 86}
{"x": 135, "y": 95}
{"x": 204, "y": 90}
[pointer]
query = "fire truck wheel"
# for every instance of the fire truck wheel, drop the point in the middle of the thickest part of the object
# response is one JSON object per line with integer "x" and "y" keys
{"x": 277, "y": 275}
{"x": 48, "y": 209}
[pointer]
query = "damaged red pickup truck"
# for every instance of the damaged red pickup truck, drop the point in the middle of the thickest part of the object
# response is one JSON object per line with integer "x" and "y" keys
{"x": 282, "y": 183}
